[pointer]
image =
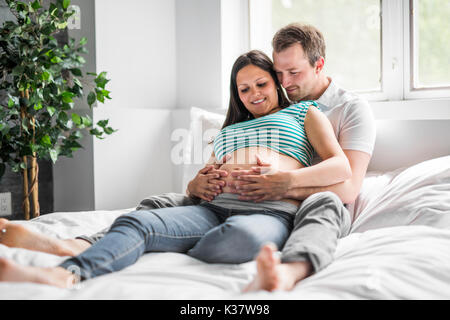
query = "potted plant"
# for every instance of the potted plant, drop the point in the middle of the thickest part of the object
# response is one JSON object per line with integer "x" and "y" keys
{"x": 40, "y": 80}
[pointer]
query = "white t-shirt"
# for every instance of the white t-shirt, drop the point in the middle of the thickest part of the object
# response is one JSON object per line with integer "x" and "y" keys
{"x": 351, "y": 117}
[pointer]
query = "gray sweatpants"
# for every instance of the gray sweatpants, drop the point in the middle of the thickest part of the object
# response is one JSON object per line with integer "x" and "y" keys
{"x": 319, "y": 222}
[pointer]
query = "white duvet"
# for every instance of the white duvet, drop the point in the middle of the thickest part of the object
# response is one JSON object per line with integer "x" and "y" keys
{"x": 399, "y": 248}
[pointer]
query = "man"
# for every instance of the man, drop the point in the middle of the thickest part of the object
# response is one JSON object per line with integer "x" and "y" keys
{"x": 299, "y": 57}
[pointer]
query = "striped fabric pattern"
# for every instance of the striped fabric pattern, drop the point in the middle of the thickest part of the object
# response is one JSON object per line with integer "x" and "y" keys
{"x": 283, "y": 132}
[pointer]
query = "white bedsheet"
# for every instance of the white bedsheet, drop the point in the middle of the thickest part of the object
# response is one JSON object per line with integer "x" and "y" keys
{"x": 398, "y": 249}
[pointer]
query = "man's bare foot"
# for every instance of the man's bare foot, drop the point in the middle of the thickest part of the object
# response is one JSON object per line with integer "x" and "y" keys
{"x": 13, "y": 272}
{"x": 17, "y": 236}
{"x": 274, "y": 275}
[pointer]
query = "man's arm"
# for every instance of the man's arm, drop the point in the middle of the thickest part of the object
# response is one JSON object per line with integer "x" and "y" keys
{"x": 347, "y": 190}
{"x": 277, "y": 186}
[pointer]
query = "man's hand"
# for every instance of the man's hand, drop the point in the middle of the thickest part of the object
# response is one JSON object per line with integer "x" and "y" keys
{"x": 262, "y": 182}
{"x": 207, "y": 183}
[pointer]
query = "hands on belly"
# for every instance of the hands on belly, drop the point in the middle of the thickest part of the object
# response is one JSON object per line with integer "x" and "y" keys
{"x": 254, "y": 179}
{"x": 260, "y": 182}
{"x": 257, "y": 179}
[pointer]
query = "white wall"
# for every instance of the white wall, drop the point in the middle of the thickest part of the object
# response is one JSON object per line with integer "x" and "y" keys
{"x": 199, "y": 72}
{"x": 234, "y": 39}
{"x": 136, "y": 46}
{"x": 134, "y": 162}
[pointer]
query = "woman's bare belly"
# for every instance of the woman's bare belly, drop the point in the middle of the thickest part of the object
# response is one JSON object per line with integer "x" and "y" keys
{"x": 245, "y": 159}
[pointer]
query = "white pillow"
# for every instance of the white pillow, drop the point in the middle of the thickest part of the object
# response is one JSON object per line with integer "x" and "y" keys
{"x": 417, "y": 195}
{"x": 204, "y": 126}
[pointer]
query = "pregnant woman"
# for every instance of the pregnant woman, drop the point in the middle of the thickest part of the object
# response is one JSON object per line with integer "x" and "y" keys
{"x": 259, "y": 124}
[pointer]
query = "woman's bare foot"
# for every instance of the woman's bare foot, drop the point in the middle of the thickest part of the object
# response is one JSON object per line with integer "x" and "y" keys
{"x": 13, "y": 272}
{"x": 17, "y": 236}
{"x": 274, "y": 275}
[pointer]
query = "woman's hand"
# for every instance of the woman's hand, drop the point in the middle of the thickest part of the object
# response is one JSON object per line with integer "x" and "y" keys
{"x": 262, "y": 182}
{"x": 207, "y": 183}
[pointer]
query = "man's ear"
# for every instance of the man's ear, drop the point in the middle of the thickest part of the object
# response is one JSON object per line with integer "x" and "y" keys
{"x": 320, "y": 63}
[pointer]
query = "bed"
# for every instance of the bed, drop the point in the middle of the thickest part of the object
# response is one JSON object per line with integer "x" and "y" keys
{"x": 398, "y": 248}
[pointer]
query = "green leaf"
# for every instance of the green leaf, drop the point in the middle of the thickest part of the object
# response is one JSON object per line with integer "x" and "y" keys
{"x": 38, "y": 106}
{"x": 67, "y": 96}
{"x": 62, "y": 25}
{"x": 83, "y": 41}
{"x": 96, "y": 132}
{"x": 3, "y": 129}
{"x": 53, "y": 10}
{"x": 11, "y": 103}
{"x": 34, "y": 147}
{"x": 46, "y": 141}
{"x": 13, "y": 112}
{"x": 53, "y": 155}
{"x": 76, "y": 72}
{"x": 78, "y": 83}
{"x": 106, "y": 93}
{"x": 103, "y": 123}
{"x": 25, "y": 124}
{"x": 100, "y": 96}
{"x": 81, "y": 60}
{"x": 109, "y": 130}
{"x": 22, "y": 7}
{"x": 36, "y": 5}
{"x": 77, "y": 134}
{"x": 67, "y": 106}
{"x": 56, "y": 60}
{"x": 51, "y": 111}
{"x": 66, "y": 4}
{"x": 46, "y": 76}
{"x": 76, "y": 119}
{"x": 82, "y": 50}
{"x": 63, "y": 117}
{"x": 101, "y": 81}
{"x": 87, "y": 121}
{"x": 91, "y": 98}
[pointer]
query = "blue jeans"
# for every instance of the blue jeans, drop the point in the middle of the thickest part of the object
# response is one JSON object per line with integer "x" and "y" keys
{"x": 207, "y": 232}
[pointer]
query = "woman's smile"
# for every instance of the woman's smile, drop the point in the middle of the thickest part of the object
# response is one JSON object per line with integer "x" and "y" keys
{"x": 259, "y": 101}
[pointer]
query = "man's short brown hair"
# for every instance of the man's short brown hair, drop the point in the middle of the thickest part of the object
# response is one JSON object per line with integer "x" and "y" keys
{"x": 309, "y": 37}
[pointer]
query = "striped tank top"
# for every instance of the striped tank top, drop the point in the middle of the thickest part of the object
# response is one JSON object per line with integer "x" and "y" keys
{"x": 283, "y": 132}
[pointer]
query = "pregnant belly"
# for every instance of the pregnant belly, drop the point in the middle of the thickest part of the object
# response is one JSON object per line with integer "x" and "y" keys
{"x": 245, "y": 159}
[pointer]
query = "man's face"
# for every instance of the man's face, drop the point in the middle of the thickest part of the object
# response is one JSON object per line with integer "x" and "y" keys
{"x": 295, "y": 73}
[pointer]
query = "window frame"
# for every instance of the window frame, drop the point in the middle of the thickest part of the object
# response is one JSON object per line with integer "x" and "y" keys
{"x": 397, "y": 54}
{"x": 410, "y": 91}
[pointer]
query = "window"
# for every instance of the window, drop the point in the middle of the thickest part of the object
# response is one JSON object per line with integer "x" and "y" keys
{"x": 384, "y": 50}
{"x": 431, "y": 43}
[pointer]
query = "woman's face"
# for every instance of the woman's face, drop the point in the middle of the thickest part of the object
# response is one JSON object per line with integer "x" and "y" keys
{"x": 257, "y": 91}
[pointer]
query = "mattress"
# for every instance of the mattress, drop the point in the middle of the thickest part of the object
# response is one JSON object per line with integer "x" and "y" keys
{"x": 397, "y": 249}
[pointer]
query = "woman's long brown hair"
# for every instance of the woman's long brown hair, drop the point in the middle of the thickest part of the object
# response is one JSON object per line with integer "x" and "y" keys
{"x": 236, "y": 110}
